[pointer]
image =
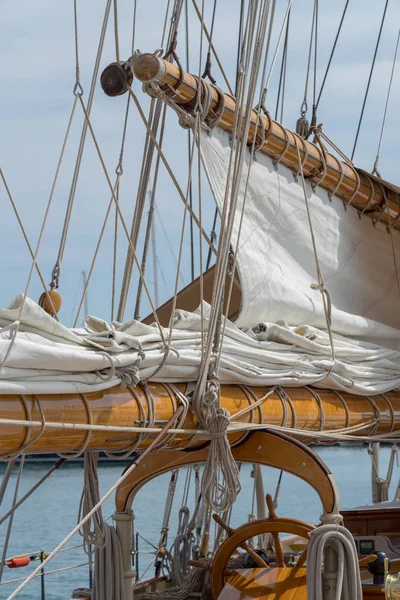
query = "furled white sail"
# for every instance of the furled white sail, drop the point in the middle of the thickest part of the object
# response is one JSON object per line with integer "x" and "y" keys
{"x": 276, "y": 262}
{"x": 47, "y": 357}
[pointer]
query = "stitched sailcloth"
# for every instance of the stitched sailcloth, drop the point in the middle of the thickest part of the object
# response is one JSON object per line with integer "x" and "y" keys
{"x": 276, "y": 262}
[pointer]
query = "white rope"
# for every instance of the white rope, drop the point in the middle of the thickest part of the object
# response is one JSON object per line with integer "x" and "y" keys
{"x": 221, "y": 478}
{"x": 326, "y": 300}
{"x": 93, "y": 531}
{"x": 108, "y": 581}
{"x": 339, "y": 541}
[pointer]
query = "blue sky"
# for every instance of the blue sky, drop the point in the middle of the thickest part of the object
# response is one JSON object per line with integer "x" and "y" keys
{"x": 38, "y": 73}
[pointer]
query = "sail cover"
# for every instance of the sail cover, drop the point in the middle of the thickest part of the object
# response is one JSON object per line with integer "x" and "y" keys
{"x": 276, "y": 261}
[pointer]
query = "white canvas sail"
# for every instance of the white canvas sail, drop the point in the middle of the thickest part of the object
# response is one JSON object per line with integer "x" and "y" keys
{"x": 276, "y": 262}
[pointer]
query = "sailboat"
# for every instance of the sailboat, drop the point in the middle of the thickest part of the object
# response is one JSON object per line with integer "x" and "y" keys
{"x": 288, "y": 336}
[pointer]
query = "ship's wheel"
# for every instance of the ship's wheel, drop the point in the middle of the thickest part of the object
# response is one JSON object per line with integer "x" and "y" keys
{"x": 237, "y": 538}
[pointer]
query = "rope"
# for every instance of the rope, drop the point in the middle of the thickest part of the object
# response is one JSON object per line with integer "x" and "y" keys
{"x": 116, "y": 35}
{"x": 302, "y": 126}
{"x": 115, "y": 199}
{"x": 325, "y": 541}
{"x": 283, "y": 26}
{"x": 167, "y": 165}
{"x": 221, "y": 478}
{"x": 331, "y": 54}
{"x": 4, "y": 482}
{"x": 212, "y": 47}
{"x": 14, "y": 207}
{"x": 57, "y": 465}
{"x": 182, "y": 546}
{"x": 10, "y": 522}
{"x": 108, "y": 581}
{"x": 78, "y": 92}
{"x": 95, "y": 508}
{"x": 320, "y": 285}
{"x": 376, "y": 163}
{"x": 93, "y": 531}
{"x": 150, "y": 218}
{"x": 369, "y": 79}
{"x": 282, "y": 75}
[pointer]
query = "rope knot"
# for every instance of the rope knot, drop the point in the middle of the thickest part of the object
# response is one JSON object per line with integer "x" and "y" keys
{"x": 331, "y": 519}
{"x": 219, "y": 423}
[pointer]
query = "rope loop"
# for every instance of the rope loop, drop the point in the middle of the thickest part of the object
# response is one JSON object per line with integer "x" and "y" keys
{"x": 321, "y": 287}
{"x": 78, "y": 89}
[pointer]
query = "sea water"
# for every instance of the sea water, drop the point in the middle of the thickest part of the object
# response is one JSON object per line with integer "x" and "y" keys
{"x": 52, "y": 511}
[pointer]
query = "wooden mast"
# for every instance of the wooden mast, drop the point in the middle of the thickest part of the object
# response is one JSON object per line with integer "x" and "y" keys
{"x": 354, "y": 186}
{"x": 302, "y": 408}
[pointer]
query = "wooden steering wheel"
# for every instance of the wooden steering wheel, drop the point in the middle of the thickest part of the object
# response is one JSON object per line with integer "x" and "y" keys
{"x": 238, "y": 537}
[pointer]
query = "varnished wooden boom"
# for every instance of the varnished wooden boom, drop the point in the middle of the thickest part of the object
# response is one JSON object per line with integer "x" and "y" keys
{"x": 302, "y": 409}
{"x": 363, "y": 191}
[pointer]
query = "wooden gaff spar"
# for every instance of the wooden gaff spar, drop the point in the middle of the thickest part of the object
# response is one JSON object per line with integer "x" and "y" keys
{"x": 302, "y": 408}
{"x": 354, "y": 186}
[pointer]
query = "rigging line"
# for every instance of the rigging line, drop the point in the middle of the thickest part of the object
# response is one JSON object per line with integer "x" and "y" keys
{"x": 150, "y": 217}
{"x": 165, "y": 24}
{"x": 392, "y": 245}
{"x": 122, "y": 218}
{"x": 134, "y": 26}
{"x": 119, "y": 172}
{"x": 282, "y": 75}
{"x": 212, "y": 24}
{"x": 114, "y": 269}
{"x": 199, "y": 190}
{"x": 259, "y": 108}
{"x": 154, "y": 116}
{"x": 215, "y": 53}
{"x": 6, "y": 478}
{"x": 241, "y": 118}
{"x": 221, "y": 494}
{"x": 10, "y": 522}
{"x": 34, "y": 260}
{"x": 314, "y": 108}
{"x": 78, "y": 91}
{"x": 56, "y": 465}
{"x": 100, "y": 238}
{"x": 239, "y": 44}
{"x": 77, "y": 71}
{"x": 213, "y": 236}
{"x": 170, "y": 247}
{"x": 116, "y": 34}
{"x": 376, "y": 163}
{"x": 369, "y": 79}
{"x": 189, "y": 133}
{"x": 161, "y": 435}
{"x": 155, "y": 262}
{"x": 304, "y": 107}
{"x": 166, "y": 163}
{"x": 277, "y": 45}
{"x": 47, "y": 573}
{"x": 26, "y": 239}
{"x": 332, "y": 53}
{"x": 321, "y": 284}
{"x": 315, "y": 53}
{"x": 178, "y": 267}
{"x": 147, "y": 164}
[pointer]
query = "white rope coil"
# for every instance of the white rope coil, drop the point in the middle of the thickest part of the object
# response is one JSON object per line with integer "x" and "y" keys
{"x": 336, "y": 539}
